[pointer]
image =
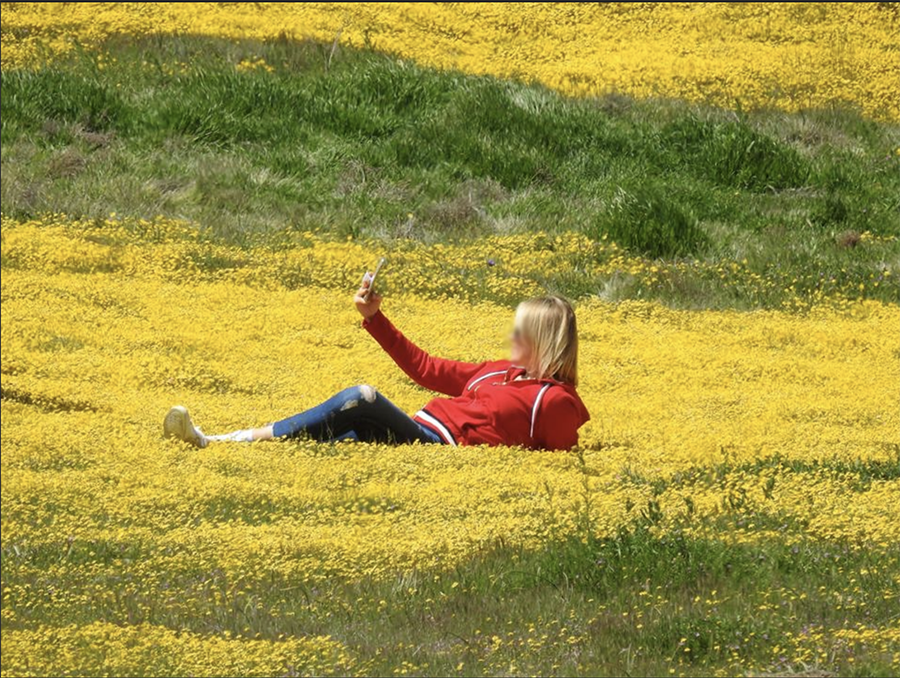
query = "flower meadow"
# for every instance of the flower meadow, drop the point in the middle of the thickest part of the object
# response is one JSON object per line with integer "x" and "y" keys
{"x": 742, "y": 429}
{"x": 785, "y": 55}
{"x": 731, "y": 507}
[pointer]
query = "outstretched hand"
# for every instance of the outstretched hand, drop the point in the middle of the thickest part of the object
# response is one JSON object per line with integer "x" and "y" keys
{"x": 367, "y": 305}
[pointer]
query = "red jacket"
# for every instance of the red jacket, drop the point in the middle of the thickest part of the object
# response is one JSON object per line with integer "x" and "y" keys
{"x": 488, "y": 403}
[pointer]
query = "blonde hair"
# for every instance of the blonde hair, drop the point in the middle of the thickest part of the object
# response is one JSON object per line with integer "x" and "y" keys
{"x": 548, "y": 327}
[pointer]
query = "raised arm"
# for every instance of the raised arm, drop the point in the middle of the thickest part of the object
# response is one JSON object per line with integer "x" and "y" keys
{"x": 444, "y": 376}
{"x": 438, "y": 374}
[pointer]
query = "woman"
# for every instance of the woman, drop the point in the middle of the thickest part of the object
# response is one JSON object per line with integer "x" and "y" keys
{"x": 528, "y": 400}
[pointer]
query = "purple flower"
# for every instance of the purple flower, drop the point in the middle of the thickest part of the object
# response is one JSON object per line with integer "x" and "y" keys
{"x": 491, "y": 262}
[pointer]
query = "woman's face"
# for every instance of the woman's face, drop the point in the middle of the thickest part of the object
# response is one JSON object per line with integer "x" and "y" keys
{"x": 519, "y": 353}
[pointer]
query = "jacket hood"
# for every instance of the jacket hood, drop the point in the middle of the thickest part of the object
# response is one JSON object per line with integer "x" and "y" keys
{"x": 571, "y": 391}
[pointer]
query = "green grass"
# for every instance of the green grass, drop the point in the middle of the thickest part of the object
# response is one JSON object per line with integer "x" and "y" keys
{"x": 352, "y": 144}
{"x": 632, "y": 604}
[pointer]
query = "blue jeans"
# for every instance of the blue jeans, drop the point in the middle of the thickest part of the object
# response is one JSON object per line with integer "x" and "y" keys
{"x": 356, "y": 413}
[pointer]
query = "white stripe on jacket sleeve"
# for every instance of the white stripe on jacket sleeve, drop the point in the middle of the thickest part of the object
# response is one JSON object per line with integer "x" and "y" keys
{"x": 537, "y": 403}
{"x": 441, "y": 429}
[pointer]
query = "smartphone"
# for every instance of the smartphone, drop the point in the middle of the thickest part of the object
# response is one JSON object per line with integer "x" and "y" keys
{"x": 371, "y": 277}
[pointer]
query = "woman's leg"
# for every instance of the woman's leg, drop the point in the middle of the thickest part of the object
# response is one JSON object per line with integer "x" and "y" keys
{"x": 359, "y": 413}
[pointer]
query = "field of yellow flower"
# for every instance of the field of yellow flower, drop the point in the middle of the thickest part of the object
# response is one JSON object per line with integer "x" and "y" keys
{"x": 786, "y": 55}
{"x": 743, "y": 430}
{"x": 731, "y": 509}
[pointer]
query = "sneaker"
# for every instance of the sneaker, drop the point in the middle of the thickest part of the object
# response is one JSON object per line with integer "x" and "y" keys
{"x": 178, "y": 424}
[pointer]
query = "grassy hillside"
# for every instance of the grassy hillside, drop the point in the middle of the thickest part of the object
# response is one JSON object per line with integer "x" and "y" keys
{"x": 728, "y": 511}
{"x": 253, "y": 139}
{"x": 783, "y": 55}
{"x": 184, "y": 216}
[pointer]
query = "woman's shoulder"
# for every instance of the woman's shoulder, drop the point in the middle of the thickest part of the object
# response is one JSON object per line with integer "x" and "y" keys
{"x": 564, "y": 396}
{"x": 494, "y": 366}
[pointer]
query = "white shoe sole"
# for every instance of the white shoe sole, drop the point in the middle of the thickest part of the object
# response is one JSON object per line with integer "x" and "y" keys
{"x": 178, "y": 424}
